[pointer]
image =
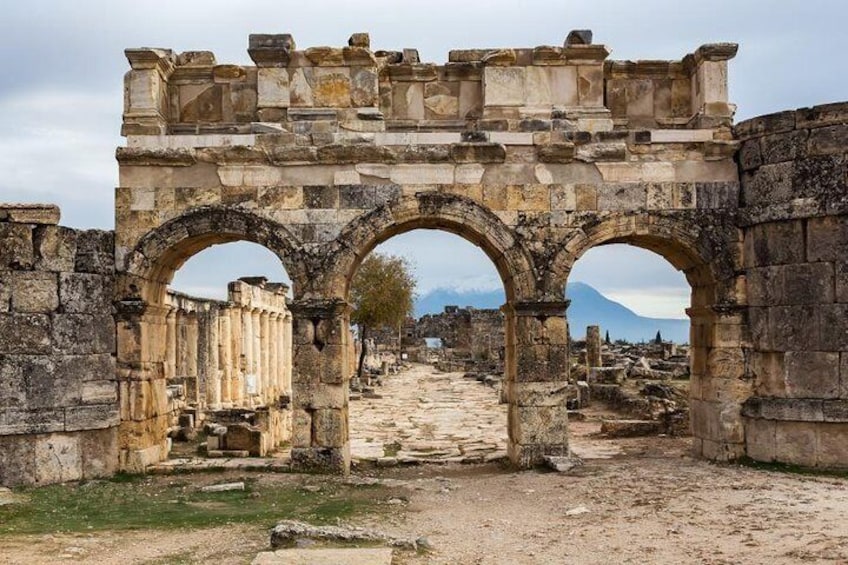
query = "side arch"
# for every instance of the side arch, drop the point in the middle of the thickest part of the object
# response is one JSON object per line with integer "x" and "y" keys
{"x": 707, "y": 249}
{"x": 447, "y": 212}
{"x": 151, "y": 264}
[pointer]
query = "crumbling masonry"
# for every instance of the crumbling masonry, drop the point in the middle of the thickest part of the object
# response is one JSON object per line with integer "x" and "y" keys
{"x": 536, "y": 155}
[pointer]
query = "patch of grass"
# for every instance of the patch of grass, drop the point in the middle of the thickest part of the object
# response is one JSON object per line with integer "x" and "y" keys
{"x": 391, "y": 449}
{"x": 789, "y": 468}
{"x": 126, "y": 503}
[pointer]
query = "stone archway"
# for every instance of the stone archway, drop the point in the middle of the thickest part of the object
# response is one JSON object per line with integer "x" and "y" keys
{"x": 536, "y": 334}
{"x": 709, "y": 256}
{"x": 143, "y": 325}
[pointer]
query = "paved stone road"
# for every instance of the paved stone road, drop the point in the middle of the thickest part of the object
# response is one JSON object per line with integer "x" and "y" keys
{"x": 424, "y": 414}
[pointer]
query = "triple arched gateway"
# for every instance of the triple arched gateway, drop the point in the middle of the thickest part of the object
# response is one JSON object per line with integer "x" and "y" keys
{"x": 535, "y": 155}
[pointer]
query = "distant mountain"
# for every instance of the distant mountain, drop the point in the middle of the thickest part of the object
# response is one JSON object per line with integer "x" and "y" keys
{"x": 588, "y": 307}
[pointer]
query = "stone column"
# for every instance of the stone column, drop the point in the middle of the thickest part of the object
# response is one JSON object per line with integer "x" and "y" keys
{"x": 207, "y": 356}
{"x": 171, "y": 344}
{"x": 593, "y": 347}
{"x": 258, "y": 365}
{"x": 536, "y": 381}
{"x": 225, "y": 348}
{"x": 142, "y": 390}
{"x": 287, "y": 353}
{"x": 249, "y": 365}
{"x": 709, "y": 85}
{"x": 237, "y": 385}
{"x": 146, "y": 88}
{"x": 265, "y": 348}
{"x": 273, "y": 356}
{"x": 192, "y": 391}
{"x": 320, "y": 395}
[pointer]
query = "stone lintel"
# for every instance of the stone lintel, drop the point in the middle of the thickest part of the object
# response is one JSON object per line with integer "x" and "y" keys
{"x": 181, "y": 157}
{"x": 146, "y": 58}
{"x": 414, "y": 72}
{"x": 47, "y": 214}
{"x": 645, "y": 69}
{"x": 587, "y": 53}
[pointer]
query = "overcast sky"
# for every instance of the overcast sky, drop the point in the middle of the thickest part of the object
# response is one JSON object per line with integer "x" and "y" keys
{"x": 63, "y": 63}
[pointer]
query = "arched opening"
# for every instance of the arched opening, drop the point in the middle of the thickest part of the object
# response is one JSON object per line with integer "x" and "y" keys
{"x": 433, "y": 386}
{"x": 717, "y": 373}
{"x": 219, "y": 363}
{"x": 528, "y": 440}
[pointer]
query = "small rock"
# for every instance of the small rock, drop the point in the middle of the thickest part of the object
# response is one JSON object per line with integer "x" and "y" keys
{"x": 576, "y": 511}
{"x": 223, "y": 487}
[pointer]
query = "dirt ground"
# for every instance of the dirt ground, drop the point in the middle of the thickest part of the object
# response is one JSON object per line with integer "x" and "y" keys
{"x": 649, "y": 504}
{"x": 638, "y": 500}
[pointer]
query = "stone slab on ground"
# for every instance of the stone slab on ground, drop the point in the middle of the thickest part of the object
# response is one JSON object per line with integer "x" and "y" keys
{"x": 347, "y": 556}
{"x": 425, "y": 416}
{"x": 631, "y": 428}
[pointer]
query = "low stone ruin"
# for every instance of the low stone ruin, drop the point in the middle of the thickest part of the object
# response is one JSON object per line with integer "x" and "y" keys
{"x": 647, "y": 383}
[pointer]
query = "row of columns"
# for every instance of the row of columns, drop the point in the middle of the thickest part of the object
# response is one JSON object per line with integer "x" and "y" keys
{"x": 230, "y": 354}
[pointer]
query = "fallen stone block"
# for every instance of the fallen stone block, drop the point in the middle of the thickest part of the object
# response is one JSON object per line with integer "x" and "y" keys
{"x": 223, "y": 487}
{"x": 220, "y": 453}
{"x": 563, "y": 464}
{"x": 336, "y": 556}
{"x": 631, "y": 428}
{"x": 287, "y": 532}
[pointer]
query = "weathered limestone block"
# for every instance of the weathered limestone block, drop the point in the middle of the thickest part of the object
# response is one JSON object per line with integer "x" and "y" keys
{"x": 504, "y": 86}
{"x": 16, "y": 246}
{"x": 273, "y": 88}
{"x": 34, "y": 292}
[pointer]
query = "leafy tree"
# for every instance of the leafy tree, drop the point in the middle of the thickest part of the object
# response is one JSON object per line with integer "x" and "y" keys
{"x": 382, "y": 294}
{"x": 658, "y": 340}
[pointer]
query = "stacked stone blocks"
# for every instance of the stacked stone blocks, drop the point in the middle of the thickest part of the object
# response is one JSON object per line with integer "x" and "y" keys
{"x": 58, "y": 391}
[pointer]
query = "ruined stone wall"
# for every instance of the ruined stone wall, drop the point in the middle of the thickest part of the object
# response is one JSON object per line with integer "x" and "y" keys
{"x": 58, "y": 392}
{"x": 794, "y": 169}
{"x": 478, "y": 333}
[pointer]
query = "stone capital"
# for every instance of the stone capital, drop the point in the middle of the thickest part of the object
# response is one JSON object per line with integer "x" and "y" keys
{"x": 546, "y": 308}
{"x": 716, "y": 52}
{"x": 148, "y": 58}
{"x": 270, "y": 50}
{"x": 319, "y": 308}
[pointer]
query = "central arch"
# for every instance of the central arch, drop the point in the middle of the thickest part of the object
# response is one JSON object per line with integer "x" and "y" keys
{"x": 708, "y": 254}
{"x": 456, "y": 214}
{"x": 530, "y": 331}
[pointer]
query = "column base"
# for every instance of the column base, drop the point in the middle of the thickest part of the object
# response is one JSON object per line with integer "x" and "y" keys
{"x": 328, "y": 460}
{"x": 138, "y": 460}
{"x": 529, "y": 456}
